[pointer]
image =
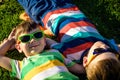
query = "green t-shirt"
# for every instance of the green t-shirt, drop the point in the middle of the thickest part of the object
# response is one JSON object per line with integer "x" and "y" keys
{"x": 48, "y": 65}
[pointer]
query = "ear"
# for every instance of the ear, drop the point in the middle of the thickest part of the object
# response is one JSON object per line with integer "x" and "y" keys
{"x": 17, "y": 46}
{"x": 85, "y": 60}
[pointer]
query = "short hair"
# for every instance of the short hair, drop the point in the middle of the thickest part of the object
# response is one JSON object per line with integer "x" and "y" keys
{"x": 25, "y": 27}
{"x": 108, "y": 69}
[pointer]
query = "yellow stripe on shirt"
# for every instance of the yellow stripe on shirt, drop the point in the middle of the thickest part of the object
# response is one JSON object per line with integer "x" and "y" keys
{"x": 41, "y": 68}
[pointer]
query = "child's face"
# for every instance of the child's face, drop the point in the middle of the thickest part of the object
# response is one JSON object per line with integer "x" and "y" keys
{"x": 94, "y": 54}
{"x": 31, "y": 43}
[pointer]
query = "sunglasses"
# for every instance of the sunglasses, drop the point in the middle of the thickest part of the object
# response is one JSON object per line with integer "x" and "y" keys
{"x": 27, "y": 37}
{"x": 100, "y": 51}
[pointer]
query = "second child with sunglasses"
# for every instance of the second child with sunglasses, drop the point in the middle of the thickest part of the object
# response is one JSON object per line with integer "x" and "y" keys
{"x": 38, "y": 64}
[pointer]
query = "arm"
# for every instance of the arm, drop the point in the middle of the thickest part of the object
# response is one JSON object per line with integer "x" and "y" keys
{"x": 4, "y": 61}
{"x": 8, "y": 43}
{"x": 74, "y": 67}
{"x": 77, "y": 69}
{"x": 4, "y": 47}
{"x": 50, "y": 42}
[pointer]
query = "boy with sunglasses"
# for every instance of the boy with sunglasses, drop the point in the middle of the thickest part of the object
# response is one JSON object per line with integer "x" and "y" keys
{"x": 78, "y": 38}
{"x": 38, "y": 64}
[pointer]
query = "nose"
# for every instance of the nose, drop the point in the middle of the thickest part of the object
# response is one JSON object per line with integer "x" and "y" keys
{"x": 32, "y": 40}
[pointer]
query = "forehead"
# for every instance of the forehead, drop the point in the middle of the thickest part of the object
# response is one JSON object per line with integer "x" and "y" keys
{"x": 32, "y": 31}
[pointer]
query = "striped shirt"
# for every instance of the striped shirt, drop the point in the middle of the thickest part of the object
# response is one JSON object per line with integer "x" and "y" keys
{"x": 45, "y": 66}
{"x": 74, "y": 30}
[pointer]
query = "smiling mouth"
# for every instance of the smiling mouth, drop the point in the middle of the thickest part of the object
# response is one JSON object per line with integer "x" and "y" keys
{"x": 34, "y": 46}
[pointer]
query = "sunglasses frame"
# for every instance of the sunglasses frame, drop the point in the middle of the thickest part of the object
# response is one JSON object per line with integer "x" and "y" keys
{"x": 96, "y": 53}
{"x": 102, "y": 50}
{"x": 31, "y": 35}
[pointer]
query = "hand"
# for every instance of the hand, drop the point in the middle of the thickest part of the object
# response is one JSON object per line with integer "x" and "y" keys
{"x": 12, "y": 37}
{"x": 12, "y": 34}
{"x": 8, "y": 43}
{"x": 24, "y": 16}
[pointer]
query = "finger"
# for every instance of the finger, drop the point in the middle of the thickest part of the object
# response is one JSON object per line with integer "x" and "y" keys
{"x": 4, "y": 40}
{"x": 12, "y": 33}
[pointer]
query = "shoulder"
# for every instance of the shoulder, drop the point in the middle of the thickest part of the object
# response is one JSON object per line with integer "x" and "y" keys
{"x": 53, "y": 50}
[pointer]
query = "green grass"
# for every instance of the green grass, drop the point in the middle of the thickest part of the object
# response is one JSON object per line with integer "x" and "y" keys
{"x": 105, "y": 14}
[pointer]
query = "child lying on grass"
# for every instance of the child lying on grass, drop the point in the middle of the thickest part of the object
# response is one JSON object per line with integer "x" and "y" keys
{"x": 38, "y": 64}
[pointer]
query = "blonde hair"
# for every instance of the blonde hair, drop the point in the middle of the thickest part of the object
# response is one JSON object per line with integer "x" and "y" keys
{"x": 25, "y": 27}
{"x": 108, "y": 69}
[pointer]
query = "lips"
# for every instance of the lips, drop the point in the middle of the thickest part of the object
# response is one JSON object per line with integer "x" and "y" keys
{"x": 34, "y": 45}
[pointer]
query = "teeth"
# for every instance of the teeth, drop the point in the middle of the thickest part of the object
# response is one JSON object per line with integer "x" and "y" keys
{"x": 32, "y": 51}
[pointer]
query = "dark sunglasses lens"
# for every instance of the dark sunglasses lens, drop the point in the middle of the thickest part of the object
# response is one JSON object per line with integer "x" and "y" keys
{"x": 101, "y": 50}
{"x": 25, "y": 38}
{"x": 38, "y": 35}
{"x": 98, "y": 50}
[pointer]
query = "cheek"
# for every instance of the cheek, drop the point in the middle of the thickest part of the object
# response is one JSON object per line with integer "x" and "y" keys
{"x": 42, "y": 41}
{"x": 42, "y": 44}
{"x": 25, "y": 47}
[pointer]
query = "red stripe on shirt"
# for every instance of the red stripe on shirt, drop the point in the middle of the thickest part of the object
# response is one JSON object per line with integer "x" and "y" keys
{"x": 45, "y": 19}
{"x": 78, "y": 48}
{"x": 67, "y": 27}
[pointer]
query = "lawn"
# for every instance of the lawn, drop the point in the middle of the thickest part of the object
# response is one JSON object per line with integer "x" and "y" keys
{"x": 105, "y": 14}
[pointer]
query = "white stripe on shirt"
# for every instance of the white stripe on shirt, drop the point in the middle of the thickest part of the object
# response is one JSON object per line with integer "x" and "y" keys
{"x": 49, "y": 72}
